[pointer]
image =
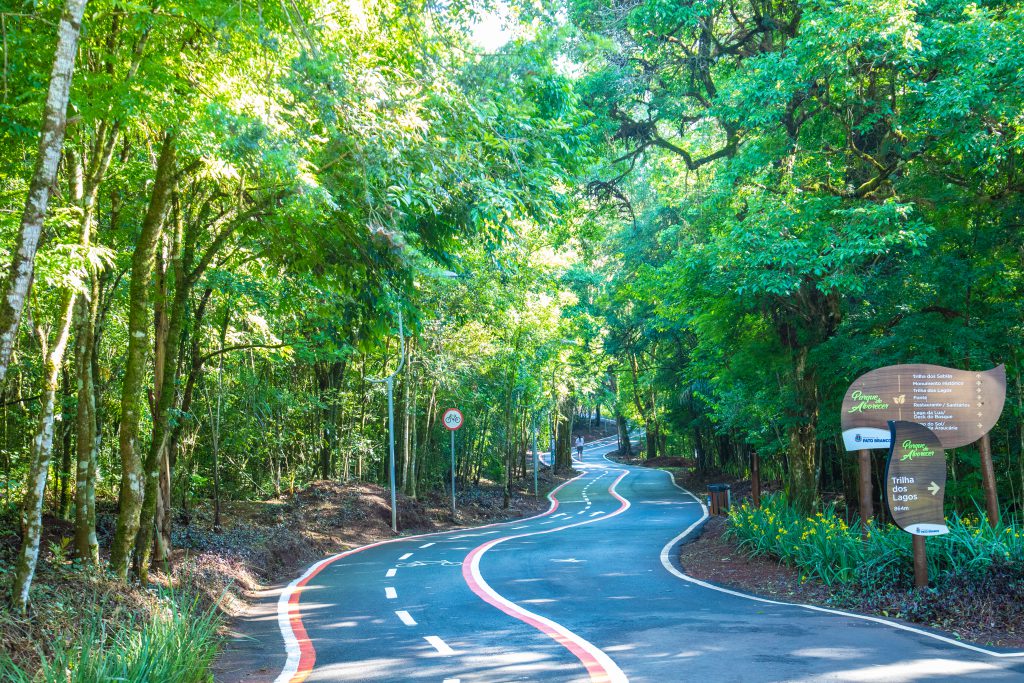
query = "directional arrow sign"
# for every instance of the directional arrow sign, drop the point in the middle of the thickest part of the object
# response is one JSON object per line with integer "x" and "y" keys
{"x": 915, "y": 479}
{"x": 960, "y": 406}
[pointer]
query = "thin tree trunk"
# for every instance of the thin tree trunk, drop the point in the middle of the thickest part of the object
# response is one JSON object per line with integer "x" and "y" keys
{"x": 406, "y": 407}
{"x": 168, "y": 324}
{"x": 39, "y": 454}
{"x": 51, "y": 142}
{"x": 63, "y": 499}
{"x": 87, "y": 443}
{"x": 132, "y": 474}
{"x": 215, "y": 423}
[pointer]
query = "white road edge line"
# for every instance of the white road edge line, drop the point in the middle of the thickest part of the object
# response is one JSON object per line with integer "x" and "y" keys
{"x": 391, "y": 572}
{"x": 405, "y": 557}
{"x": 666, "y": 561}
{"x": 441, "y": 647}
{"x": 405, "y": 617}
{"x": 390, "y": 593}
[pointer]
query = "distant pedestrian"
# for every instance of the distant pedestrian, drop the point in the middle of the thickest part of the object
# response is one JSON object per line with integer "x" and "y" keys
{"x": 579, "y": 447}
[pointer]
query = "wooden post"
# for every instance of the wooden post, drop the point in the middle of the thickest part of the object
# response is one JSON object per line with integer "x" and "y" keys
{"x": 755, "y": 478}
{"x": 866, "y": 506}
{"x": 988, "y": 479}
{"x": 920, "y": 563}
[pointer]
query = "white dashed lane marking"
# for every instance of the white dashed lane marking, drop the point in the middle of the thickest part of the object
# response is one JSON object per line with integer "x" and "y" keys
{"x": 405, "y": 617}
{"x": 390, "y": 593}
{"x": 406, "y": 556}
{"x": 391, "y": 572}
{"x": 426, "y": 545}
{"x": 439, "y": 645}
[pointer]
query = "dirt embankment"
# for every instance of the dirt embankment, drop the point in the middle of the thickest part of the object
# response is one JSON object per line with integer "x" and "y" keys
{"x": 260, "y": 543}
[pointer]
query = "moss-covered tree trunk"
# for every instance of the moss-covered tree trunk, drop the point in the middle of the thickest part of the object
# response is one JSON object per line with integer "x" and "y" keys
{"x": 803, "y": 436}
{"x": 86, "y": 427}
{"x": 169, "y": 320}
{"x": 132, "y": 475}
{"x": 40, "y": 452}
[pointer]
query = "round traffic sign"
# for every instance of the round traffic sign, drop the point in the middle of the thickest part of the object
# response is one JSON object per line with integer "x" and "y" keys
{"x": 452, "y": 419}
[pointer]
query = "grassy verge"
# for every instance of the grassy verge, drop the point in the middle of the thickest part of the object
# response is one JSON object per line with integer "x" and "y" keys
{"x": 175, "y": 644}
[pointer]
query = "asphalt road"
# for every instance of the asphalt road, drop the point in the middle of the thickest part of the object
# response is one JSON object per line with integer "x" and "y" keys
{"x": 590, "y": 591}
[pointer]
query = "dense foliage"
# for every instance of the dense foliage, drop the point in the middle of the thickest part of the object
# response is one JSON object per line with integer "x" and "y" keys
{"x": 252, "y": 203}
{"x": 707, "y": 216}
{"x": 804, "y": 191}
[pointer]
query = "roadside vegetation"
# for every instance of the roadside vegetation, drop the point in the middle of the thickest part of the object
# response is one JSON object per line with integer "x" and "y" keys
{"x": 220, "y": 222}
{"x": 175, "y": 643}
{"x": 824, "y": 547}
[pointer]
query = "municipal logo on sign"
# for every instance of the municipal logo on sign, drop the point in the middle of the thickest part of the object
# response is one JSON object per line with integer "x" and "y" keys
{"x": 452, "y": 419}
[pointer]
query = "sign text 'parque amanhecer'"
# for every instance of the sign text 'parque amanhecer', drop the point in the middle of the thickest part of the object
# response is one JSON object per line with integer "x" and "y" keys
{"x": 915, "y": 479}
{"x": 960, "y": 406}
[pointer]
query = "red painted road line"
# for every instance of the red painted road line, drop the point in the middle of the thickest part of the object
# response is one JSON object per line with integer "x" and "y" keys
{"x": 301, "y": 653}
{"x": 599, "y": 665}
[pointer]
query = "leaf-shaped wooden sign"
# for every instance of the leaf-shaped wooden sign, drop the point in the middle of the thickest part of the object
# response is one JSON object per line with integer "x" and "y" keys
{"x": 915, "y": 479}
{"x": 960, "y": 406}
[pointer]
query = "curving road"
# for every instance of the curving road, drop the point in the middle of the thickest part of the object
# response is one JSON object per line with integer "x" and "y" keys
{"x": 586, "y": 592}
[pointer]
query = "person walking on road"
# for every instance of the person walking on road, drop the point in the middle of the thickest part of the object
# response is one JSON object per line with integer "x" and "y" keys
{"x": 579, "y": 447}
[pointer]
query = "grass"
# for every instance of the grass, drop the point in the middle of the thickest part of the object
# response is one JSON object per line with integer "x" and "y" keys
{"x": 825, "y": 547}
{"x": 176, "y": 645}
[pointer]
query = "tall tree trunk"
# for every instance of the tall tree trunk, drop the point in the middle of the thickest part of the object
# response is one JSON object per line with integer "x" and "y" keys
{"x": 39, "y": 457}
{"x": 168, "y": 324}
{"x": 86, "y": 424}
{"x": 803, "y": 461}
{"x": 132, "y": 474}
{"x": 563, "y": 434}
{"x": 215, "y": 423}
{"x": 363, "y": 400}
{"x": 412, "y": 439}
{"x": 407, "y": 381}
{"x": 63, "y": 498}
{"x": 51, "y": 142}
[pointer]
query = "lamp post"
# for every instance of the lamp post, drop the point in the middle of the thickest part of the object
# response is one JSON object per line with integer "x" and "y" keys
{"x": 389, "y": 381}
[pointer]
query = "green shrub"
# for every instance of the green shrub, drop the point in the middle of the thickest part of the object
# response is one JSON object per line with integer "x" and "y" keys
{"x": 826, "y": 548}
{"x": 176, "y": 645}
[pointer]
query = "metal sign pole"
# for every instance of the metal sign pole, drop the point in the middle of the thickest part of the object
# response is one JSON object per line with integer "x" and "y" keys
{"x": 453, "y": 474}
{"x": 391, "y": 446}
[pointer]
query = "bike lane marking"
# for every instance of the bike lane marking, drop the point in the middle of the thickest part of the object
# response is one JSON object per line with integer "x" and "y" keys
{"x": 598, "y": 664}
{"x": 301, "y": 655}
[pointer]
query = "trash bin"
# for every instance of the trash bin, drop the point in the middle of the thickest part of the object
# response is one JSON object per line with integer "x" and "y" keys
{"x": 719, "y": 498}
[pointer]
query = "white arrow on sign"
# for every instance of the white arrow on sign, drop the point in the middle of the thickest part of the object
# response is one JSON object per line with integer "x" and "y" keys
{"x": 934, "y": 488}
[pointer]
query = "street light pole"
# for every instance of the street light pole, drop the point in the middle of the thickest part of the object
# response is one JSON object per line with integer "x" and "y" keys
{"x": 389, "y": 381}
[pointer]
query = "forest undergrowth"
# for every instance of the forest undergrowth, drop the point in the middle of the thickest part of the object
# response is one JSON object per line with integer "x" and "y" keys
{"x": 74, "y": 609}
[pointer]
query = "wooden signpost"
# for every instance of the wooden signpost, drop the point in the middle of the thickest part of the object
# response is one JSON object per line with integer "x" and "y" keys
{"x": 915, "y": 487}
{"x": 959, "y": 406}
